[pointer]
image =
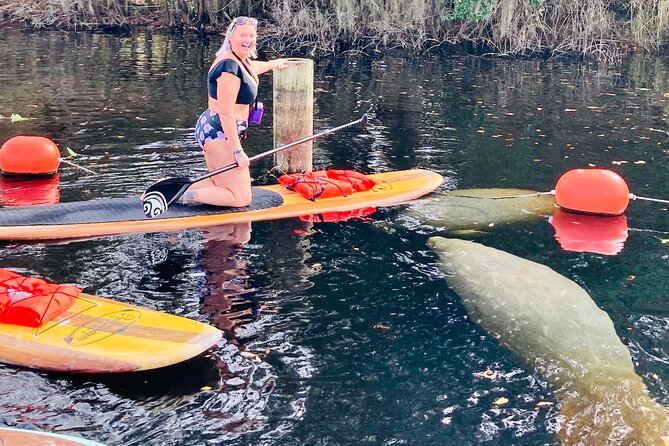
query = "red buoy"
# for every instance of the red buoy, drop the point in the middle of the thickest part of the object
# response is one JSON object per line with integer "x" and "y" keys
{"x": 29, "y": 155}
{"x": 592, "y": 191}
{"x": 590, "y": 233}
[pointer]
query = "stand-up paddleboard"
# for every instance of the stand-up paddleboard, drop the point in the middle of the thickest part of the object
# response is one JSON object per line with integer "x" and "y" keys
{"x": 23, "y": 437}
{"x": 126, "y": 215}
{"x": 97, "y": 335}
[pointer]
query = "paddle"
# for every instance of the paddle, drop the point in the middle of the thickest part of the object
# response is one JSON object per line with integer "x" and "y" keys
{"x": 159, "y": 196}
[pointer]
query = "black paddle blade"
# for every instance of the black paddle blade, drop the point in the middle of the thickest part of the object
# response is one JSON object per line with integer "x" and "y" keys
{"x": 159, "y": 196}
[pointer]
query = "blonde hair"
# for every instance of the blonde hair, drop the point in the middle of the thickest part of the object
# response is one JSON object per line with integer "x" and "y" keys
{"x": 226, "y": 42}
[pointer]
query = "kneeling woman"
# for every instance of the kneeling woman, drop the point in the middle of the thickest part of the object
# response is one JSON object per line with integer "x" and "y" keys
{"x": 232, "y": 84}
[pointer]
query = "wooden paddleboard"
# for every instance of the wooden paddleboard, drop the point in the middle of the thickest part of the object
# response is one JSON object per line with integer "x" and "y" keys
{"x": 125, "y": 215}
{"x": 97, "y": 335}
{"x": 23, "y": 437}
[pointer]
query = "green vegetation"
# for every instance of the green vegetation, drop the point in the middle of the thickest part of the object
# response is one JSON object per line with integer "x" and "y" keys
{"x": 470, "y": 10}
{"x": 600, "y": 29}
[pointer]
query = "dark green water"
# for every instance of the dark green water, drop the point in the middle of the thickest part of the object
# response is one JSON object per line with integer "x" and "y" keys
{"x": 363, "y": 343}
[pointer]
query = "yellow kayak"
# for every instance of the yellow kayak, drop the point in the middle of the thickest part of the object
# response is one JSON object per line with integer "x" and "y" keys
{"x": 126, "y": 215}
{"x": 98, "y": 335}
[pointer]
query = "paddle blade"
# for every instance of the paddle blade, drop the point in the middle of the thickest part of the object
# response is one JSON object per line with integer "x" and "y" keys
{"x": 159, "y": 196}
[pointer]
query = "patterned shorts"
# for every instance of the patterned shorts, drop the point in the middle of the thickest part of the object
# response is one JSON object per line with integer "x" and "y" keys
{"x": 209, "y": 128}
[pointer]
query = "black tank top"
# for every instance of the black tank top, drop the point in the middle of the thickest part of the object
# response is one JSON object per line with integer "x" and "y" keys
{"x": 247, "y": 89}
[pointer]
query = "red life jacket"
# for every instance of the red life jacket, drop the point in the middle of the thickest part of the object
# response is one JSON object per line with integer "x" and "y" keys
{"x": 32, "y": 302}
{"x": 359, "y": 181}
{"x": 327, "y": 183}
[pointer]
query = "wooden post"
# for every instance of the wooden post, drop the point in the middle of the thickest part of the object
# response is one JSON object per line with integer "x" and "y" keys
{"x": 293, "y": 114}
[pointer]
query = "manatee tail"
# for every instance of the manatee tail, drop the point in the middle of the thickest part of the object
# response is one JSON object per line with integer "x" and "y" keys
{"x": 620, "y": 415}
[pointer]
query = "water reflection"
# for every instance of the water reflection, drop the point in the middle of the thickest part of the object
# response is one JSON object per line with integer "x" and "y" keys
{"x": 26, "y": 192}
{"x": 233, "y": 304}
{"x": 229, "y": 301}
{"x": 590, "y": 233}
{"x": 335, "y": 216}
{"x": 311, "y": 295}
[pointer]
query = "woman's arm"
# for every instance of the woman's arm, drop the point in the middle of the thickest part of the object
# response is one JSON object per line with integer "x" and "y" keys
{"x": 261, "y": 67}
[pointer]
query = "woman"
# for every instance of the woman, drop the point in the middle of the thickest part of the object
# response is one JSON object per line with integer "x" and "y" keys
{"x": 232, "y": 84}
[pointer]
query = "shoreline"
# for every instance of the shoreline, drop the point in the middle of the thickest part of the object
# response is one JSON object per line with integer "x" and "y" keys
{"x": 534, "y": 30}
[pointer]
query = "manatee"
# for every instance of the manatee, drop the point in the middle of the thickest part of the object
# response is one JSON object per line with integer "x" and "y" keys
{"x": 478, "y": 209}
{"x": 554, "y": 326}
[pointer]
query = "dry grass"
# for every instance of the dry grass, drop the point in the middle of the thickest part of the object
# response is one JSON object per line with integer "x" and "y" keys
{"x": 66, "y": 13}
{"x": 599, "y": 29}
{"x": 317, "y": 25}
{"x": 650, "y": 21}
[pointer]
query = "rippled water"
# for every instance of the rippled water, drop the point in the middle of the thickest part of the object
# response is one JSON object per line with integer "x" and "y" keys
{"x": 361, "y": 340}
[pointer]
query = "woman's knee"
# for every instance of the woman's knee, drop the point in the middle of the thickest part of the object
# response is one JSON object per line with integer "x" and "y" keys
{"x": 242, "y": 198}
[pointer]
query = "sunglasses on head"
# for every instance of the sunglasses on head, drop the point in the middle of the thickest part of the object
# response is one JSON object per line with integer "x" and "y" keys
{"x": 245, "y": 20}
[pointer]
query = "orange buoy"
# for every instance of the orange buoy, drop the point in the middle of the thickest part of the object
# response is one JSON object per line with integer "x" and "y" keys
{"x": 29, "y": 155}
{"x": 592, "y": 191}
{"x": 590, "y": 233}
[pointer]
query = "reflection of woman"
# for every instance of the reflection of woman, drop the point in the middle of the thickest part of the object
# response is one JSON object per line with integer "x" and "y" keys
{"x": 233, "y": 87}
{"x": 230, "y": 301}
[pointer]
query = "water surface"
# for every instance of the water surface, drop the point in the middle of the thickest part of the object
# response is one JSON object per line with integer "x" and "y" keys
{"x": 360, "y": 339}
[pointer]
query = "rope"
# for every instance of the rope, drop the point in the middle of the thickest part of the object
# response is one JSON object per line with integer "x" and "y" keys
{"x": 537, "y": 194}
{"x": 85, "y": 169}
{"x": 533, "y": 194}
{"x": 655, "y": 200}
{"x": 270, "y": 173}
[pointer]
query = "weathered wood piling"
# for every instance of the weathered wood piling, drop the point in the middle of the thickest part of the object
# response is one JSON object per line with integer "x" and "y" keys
{"x": 293, "y": 111}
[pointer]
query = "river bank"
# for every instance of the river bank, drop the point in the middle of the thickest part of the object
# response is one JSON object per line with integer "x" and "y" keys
{"x": 597, "y": 29}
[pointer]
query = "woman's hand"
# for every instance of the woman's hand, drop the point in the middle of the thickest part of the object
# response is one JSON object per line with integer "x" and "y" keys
{"x": 240, "y": 157}
{"x": 279, "y": 64}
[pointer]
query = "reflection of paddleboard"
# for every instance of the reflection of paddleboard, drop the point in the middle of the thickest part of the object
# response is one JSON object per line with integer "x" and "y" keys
{"x": 22, "y": 437}
{"x": 97, "y": 335}
{"x": 123, "y": 215}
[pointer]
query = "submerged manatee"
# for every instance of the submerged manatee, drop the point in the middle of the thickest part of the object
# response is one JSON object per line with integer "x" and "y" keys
{"x": 554, "y": 326}
{"x": 478, "y": 209}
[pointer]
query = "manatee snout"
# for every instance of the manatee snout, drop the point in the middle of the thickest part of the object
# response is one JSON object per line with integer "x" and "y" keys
{"x": 439, "y": 244}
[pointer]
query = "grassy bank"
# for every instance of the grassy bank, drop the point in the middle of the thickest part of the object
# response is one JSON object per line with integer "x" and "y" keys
{"x": 602, "y": 29}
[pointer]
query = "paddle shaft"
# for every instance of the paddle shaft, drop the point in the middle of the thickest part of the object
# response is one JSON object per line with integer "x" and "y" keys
{"x": 362, "y": 120}
{"x": 159, "y": 196}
